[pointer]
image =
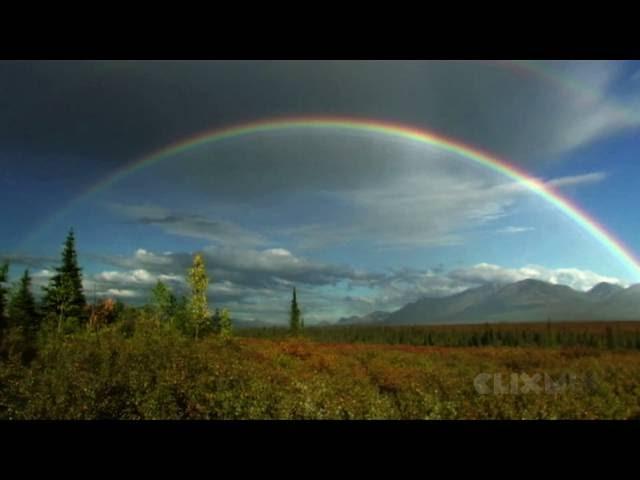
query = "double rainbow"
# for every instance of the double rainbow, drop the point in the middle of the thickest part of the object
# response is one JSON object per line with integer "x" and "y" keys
{"x": 582, "y": 218}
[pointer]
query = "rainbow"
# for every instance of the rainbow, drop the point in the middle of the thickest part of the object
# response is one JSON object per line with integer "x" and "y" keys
{"x": 400, "y": 131}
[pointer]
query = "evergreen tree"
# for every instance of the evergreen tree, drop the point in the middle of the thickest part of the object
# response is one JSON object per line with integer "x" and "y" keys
{"x": 22, "y": 306}
{"x": 198, "y": 305}
{"x": 4, "y": 270}
{"x": 294, "y": 317}
{"x": 64, "y": 297}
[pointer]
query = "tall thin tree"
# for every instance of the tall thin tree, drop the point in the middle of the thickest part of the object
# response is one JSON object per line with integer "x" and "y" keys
{"x": 198, "y": 305}
{"x": 22, "y": 307}
{"x": 295, "y": 325}
{"x": 64, "y": 291}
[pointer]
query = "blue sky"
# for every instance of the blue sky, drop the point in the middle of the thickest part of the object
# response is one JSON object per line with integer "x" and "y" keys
{"x": 358, "y": 222}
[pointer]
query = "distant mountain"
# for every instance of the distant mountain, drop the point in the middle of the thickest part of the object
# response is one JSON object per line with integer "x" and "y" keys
{"x": 441, "y": 309}
{"x": 604, "y": 291}
{"x": 240, "y": 324}
{"x": 371, "y": 318}
{"x": 525, "y": 301}
{"x": 529, "y": 301}
{"x": 622, "y": 305}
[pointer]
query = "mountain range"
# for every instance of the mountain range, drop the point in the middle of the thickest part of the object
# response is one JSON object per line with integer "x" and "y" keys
{"x": 524, "y": 301}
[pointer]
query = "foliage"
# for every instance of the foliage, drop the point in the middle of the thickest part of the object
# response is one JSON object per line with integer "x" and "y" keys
{"x": 198, "y": 304}
{"x": 4, "y": 270}
{"x": 225, "y": 328}
{"x": 158, "y": 373}
{"x": 104, "y": 313}
{"x": 64, "y": 299}
{"x": 295, "y": 321}
{"x": 22, "y": 307}
{"x": 604, "y": 335}
{"x": 164, "y": 302}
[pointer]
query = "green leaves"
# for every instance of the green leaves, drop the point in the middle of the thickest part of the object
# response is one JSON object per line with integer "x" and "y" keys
{"x": 22, "y": 306}
{"x": 295, "y": 320}
{"x": 198, "y": 306}
{"x": 164, "y": 302}
{"x": 64, "y": 297}
{"x": 4, "y": 270}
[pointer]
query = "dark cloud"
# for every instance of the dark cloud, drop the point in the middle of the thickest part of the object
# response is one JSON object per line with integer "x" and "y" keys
{"x": 30, "y": 261}
{"x": 114, "y": 111}
{"x": 189, "y": 225}
{"x": 269, "y": 268}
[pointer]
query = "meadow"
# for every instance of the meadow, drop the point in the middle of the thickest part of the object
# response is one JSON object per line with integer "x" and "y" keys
{"x": 149, "y": 370}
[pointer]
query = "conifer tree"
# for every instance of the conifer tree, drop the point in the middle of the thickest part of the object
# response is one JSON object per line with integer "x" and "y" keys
{"x": 64, "y": 295}
{"x": 294, "y": 316}
{"x": 198, "y": 305}
{"x": 4, "y": 270}
{"x": 22, "y": 306}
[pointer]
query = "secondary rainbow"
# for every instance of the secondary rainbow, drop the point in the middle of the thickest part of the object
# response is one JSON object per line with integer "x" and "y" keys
{"x": 582, "y": 218}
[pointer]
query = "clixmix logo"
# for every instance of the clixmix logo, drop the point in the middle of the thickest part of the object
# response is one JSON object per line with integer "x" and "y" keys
{"x": 523, "y": 383}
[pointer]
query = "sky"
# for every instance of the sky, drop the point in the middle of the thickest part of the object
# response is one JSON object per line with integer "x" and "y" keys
{"x": 357, "y": 220}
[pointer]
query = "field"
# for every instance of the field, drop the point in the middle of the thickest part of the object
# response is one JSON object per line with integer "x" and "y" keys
{"x": 154, "y": 372}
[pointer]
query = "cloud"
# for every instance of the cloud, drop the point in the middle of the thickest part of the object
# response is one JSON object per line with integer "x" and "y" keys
{"x": 244, "y": 267}
{"x": 30, "y": 261}
{"x": 575, "y": 180}
{"x": 493, "y": 105}
{"x": 487, "y": 273}
{"x": 430, "y": 200}
{"x": 188, "y": 225}
{"x": 513, "y": 230}
{"x": 256, "y": 284}
{"x": 439, "y": 208}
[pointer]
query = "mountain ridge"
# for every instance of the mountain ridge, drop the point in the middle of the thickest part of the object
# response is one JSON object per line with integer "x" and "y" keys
{"x": 528, "y": 300}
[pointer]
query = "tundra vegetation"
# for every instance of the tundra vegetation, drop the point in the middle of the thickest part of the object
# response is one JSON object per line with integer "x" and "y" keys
{"x": 63, "y": 358}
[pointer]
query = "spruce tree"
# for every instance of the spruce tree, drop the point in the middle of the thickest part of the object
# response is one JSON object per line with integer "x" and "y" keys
{"x": 294, "y": 316}
{"x": 64, "y": 297}
{"x": 4, "y": 270}
{"x": 198, "y": 305}
{"x": 22, "y": 307}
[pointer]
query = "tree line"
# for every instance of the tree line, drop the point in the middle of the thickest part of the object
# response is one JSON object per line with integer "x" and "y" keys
{"x": 64, "y": 307}
{"x": 602, "y": 335}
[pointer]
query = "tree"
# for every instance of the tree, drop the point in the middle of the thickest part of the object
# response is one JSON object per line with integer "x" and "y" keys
{"x": 198, "y": 305}
{"x": 61, "y": 305}
{"x": 22, "y": 306}
{"x": 64, "y": 297}
{"x": 164, "y": 302}
{"x": 4, "y": 270}
{"x": 295, "y": 322}
{"x": 225, "y": 327}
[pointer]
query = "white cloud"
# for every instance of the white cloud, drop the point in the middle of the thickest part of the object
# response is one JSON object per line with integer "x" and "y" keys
{"x": 573, "y": 277}
{"x": 139, "y": 276}
{"x": 119, "y": 293}
{"x": 585, "y": 179}
{"x": 513, "y": 230}
{"x": 256, "y": 284}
